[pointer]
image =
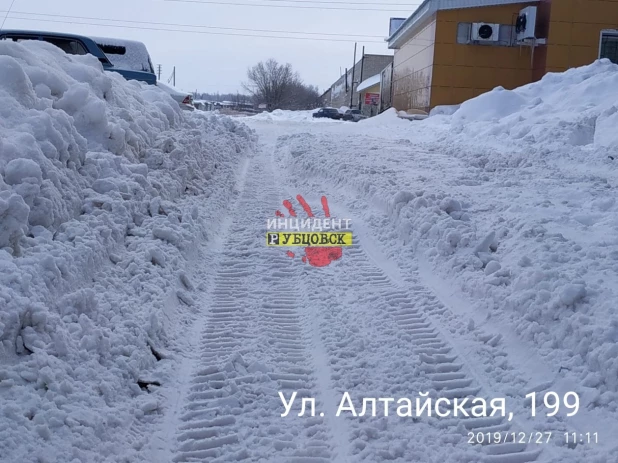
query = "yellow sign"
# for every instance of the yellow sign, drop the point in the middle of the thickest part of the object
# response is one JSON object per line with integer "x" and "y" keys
{"x": 309, "y": 239}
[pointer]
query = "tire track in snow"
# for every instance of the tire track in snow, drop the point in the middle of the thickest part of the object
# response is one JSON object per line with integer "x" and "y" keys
{"x": 366, "y": 334}
{"x": 253, "y": 346}
{"x": 381, "y": 343}
{"x": 158, "y": 449}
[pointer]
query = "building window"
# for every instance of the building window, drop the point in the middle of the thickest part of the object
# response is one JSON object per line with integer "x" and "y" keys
{"x": 609, "y": 46}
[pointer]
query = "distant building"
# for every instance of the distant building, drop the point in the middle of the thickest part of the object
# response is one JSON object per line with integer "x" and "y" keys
{"x": 344, "y": 91}
{"x": 369, "y": 91}
{"x": 447, "y": 52}
{"x": 325, "y": 98}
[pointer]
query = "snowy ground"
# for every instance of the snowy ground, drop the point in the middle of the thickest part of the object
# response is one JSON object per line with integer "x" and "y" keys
{"x": 144, "y": 319}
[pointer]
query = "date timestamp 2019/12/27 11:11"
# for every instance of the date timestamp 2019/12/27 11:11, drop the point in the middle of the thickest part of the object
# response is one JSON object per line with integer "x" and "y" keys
{"x": 569, "y": 438}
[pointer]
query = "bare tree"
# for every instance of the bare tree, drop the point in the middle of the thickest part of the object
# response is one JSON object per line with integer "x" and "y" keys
{"x": 301, "y": 96}
{"x": 271, "y": 82}
{"x": 235, "y": 97}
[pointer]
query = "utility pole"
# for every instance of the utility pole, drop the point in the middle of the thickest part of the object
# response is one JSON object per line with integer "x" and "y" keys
{"x": 361, "y": 76}
{"x": 174, "y": 76}
{"x": 353, "y": 69}
{"x": 159, "y": 71}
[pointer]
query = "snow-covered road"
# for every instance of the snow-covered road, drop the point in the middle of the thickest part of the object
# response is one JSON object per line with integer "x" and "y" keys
{"x": 144, "y": 319}
{"x": 378, "y": 323}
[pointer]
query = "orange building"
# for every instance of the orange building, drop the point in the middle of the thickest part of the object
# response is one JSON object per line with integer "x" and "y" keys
{"x": 449, "y": 51}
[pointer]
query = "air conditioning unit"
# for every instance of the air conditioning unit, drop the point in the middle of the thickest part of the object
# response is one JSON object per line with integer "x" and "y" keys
{"x": 526, "y": 24}
{"x": 485, "y": 32}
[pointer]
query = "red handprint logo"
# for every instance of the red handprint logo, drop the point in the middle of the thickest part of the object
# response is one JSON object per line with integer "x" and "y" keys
{"x": 315, "y": 256}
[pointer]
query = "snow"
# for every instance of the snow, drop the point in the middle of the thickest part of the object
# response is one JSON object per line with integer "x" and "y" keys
{"x": 505, "y": 208}
{"x": 446, "y": 110}
{"x": 386, "y": 120}
{"x": 143, "y": 319}
{"x": 367, "y": 83}
{"x": 171, "y": 90}
{"x": 489, "y": 106}
{"x": 136, "y": 57}
{"x": 103, "y": 191}
{"x": 574, "y": 108}
{"x": 281, "y": 115}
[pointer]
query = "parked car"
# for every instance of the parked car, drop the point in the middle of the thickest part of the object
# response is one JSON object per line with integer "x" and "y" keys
{"x": 353, "y": 115}
{"x": 126, "y": 54}
{"x": 330, "y": 113}
{"x": 185, "y": 100}
{"x": 78, "y": 45}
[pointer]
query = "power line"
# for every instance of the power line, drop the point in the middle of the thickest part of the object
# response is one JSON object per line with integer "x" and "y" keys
{"x": 195, "y": 32}
{"x": 7, "y": 14}
{"x": 193, "y": 25}
{"x": 347, "y": 8}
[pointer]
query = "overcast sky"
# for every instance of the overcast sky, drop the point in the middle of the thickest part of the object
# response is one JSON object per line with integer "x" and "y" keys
{"x": 215, "y": 61}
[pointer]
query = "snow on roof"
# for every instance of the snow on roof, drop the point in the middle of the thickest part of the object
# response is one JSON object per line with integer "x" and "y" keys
{"x": 135, "y": 56}
{"x": 367, "y": 83}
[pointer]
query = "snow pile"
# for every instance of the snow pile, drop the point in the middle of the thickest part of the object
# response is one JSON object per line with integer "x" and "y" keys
{"x": 172, "y": 91}
{"x": 446, "y": 110}
{"x": 574, "y": 108}
{"x": 494, "y": 105}
{"x": 102, "y": 185}
{"x": 387, "y": 119}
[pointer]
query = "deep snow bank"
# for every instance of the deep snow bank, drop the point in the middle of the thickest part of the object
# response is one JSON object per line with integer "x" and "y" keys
{"x": 102, "y": 183}
{"x": 574, "y": 108}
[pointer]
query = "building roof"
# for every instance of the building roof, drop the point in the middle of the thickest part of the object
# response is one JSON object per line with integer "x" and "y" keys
{"x": 430, "y": 7}
{"x": 367, "y": 83}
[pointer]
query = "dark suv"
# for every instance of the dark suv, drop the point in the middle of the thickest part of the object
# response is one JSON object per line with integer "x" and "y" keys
{"x": 77, "y": 45}
{"x": 330, "y": 113}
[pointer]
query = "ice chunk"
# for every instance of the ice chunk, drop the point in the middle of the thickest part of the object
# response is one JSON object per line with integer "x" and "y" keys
{"x": 572, "y": 293}
{"x": 19, "y": 169}
{"x": 492, "y": 267}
